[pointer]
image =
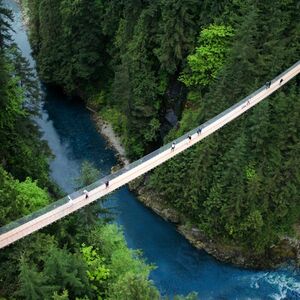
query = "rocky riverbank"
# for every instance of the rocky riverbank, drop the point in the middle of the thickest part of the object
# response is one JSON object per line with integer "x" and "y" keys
{"x": 106, "y": 130}
{"x": 287, "y": 249}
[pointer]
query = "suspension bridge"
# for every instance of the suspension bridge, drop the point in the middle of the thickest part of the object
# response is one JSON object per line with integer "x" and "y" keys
{"x": 55, "y": 211}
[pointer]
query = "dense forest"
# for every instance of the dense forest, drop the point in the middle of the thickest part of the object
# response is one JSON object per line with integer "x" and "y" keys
{"x": 80, "y": 257}
{"x": 137, "y": 62}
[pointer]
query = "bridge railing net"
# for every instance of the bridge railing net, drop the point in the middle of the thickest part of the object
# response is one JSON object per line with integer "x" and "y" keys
{"x": 134, "y": 164}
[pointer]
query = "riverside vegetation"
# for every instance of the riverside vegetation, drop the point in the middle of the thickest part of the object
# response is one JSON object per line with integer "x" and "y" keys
{"x": 80, "y": 257}
{"x": 135, "y": 60}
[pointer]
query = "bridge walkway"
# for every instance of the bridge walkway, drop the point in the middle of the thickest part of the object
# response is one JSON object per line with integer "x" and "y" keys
{"x": 71, "y": 203}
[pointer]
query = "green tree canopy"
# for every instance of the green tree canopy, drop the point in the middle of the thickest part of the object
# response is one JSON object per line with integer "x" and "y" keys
{"x": 23, "y": 197}
{"x": 209, "y": 57}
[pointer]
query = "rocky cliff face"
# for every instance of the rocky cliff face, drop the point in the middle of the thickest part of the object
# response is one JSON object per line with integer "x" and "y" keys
{"x": 172, "y": 108}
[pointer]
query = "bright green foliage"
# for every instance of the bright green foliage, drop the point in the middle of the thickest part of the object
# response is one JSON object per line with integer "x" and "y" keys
{"x": 209, "y": 57}
{"x": 110, "y": 241}
{"x": 133, "y": 287}
{"x": 30, "y": 196}
{"x": 97, "y": 100}
{"x": 116, "y": 118}
{"x": 23, "y": 197}
{"x": 120, "y": 270}
{"x": 63, "y": 296}
{"x": 97, "y": 272}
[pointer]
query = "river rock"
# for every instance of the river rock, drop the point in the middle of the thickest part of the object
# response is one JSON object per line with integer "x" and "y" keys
{"x": 116, "y": 168}
{"x": 171, "y": 215}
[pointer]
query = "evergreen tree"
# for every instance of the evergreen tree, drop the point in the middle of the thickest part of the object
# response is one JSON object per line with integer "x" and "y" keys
{"x": 32, "y": 283}
{"x": 66, "y": 271}
{"x": 177, "y": 29}
{"x": 5, "y": 18}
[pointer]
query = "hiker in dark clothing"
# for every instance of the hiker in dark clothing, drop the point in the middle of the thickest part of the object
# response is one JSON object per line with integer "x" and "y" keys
{"x": 268, "y": 84}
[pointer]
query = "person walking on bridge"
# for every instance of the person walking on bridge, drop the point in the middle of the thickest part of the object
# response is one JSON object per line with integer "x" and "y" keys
{"x": 86, "y": 194}
{"x": 173, "y": 147}
{"x": 268, "y": 84}
{"x": 107, "y": 184}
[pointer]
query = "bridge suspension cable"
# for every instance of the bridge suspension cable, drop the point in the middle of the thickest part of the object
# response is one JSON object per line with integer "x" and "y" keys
{"x": 69, "y": 204}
